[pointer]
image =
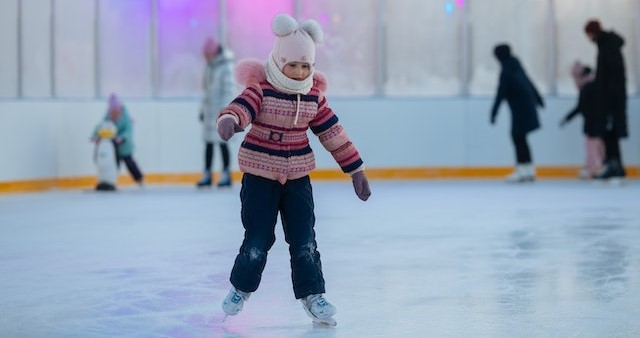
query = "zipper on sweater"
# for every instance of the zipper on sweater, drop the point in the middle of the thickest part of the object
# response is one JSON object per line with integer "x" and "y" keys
{"x": 295, "y": 121}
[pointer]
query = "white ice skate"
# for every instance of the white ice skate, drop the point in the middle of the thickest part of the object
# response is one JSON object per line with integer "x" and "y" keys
{"x": 232, "y": 304}
{"x": 225, "y": 179}
{"x": 522, "y": 173}
{"x": 319, "y": 309}
{"x": 584, "y": 174}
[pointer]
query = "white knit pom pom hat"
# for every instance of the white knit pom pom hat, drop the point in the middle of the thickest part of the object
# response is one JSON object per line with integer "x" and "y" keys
{"x": 294, "y": 41}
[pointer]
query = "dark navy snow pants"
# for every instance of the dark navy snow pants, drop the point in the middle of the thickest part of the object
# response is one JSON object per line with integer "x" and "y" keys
{"x": 262, "y": 199}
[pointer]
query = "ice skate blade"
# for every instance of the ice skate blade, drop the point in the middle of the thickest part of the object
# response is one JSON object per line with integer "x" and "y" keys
{"x": 328, "y": 321}
{"x": 216, "y": 319}
{"x": 612, "y": 181}
{"x": 521, "y": 181}
{"x": 616, "y": 181}
{"x": 324, "y": 321}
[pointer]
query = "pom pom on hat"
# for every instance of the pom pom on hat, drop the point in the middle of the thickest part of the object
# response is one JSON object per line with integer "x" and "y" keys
{"x": 283, "y": 25}
{"x": 312, "y": 27}
{"x": 294, "y": 42}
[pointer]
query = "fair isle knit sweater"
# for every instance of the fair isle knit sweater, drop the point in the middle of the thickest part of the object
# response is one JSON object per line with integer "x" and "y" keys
{"x": 276, "y": 147}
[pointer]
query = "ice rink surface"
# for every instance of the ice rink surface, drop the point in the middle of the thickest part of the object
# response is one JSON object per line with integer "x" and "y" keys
{"x": 419, "y": 259}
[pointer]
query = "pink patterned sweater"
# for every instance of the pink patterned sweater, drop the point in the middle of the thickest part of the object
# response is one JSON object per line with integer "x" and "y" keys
{"x": 276, "y": 147}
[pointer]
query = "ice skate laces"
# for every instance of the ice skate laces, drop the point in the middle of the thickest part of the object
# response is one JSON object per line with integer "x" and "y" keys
{"x": 319, "y": 306}
{"x": 234, "y": 301}
{"x": 236, "y": 298}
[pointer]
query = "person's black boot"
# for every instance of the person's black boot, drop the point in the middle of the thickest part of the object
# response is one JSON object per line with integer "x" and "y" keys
{"x": 613, "y": 172}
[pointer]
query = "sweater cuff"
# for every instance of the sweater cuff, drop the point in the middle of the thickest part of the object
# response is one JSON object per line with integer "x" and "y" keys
{"x": 360, "y": 168}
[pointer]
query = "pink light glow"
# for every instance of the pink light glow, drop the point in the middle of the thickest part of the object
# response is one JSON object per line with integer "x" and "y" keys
{"x": 323, "y": 19}
{"x": 460, "y": 3}
{"x": 250, "y": 20}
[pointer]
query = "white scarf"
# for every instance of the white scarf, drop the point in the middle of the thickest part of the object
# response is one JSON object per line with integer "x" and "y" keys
{"x": 287, "y": 85}
{"x": 284, "y": 84}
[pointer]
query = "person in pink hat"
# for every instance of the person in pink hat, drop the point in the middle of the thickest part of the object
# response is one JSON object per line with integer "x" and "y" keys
{"x": 283, "y": 98}
{"x": 593, "y": 126}
{"x": 219, "y": 89}
{"x": 118, "y": 114}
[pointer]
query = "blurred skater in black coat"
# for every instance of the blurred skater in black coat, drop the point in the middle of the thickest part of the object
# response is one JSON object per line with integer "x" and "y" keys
{"x": 611, "y": 87}
{"x": 523, "y": 98}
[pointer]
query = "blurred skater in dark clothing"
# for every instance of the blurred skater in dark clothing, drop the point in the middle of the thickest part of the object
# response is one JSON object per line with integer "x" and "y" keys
{"x": 522, "y": 97}
{"x": 611, "y": 89}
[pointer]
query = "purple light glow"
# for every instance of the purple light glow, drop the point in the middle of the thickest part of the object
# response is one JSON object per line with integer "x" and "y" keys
{"x": 250, "y": 20}
{"x": 183, "y": 26}
{"x": 323, "y": 19}
{"x": 460, "y": 3}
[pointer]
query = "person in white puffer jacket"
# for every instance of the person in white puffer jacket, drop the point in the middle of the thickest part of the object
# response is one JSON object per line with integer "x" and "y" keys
{"x": 219, "y": 89}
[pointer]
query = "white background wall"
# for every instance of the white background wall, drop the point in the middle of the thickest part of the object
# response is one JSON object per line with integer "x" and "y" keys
{"x": 50, "y": 138}
{"x": 9, "y": 58}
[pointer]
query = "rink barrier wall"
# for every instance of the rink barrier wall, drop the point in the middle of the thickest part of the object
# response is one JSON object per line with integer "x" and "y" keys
{"x": 45, "y": 144}
{"x": 376, "y": 174}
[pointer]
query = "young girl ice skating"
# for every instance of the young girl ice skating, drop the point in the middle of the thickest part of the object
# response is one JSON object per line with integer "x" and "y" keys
{"x": 593, "y": 120}
{"x": 282, "y": 99}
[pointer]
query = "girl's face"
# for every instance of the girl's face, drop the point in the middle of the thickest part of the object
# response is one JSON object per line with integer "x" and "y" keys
{"x": 297, "y": 70}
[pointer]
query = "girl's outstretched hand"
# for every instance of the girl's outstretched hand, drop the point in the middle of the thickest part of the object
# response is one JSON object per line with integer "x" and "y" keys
{"x": 227, "y": 128}
{"x": 361, "y": 185}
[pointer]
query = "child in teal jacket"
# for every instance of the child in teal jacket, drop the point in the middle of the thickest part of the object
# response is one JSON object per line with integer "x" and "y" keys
{"x": 118, "y": 114}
